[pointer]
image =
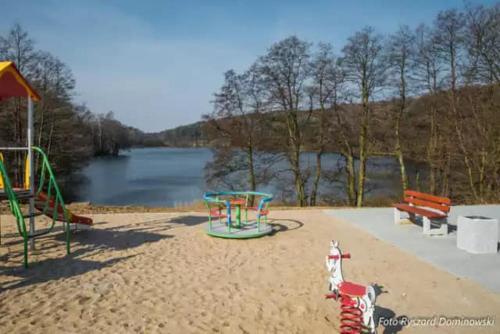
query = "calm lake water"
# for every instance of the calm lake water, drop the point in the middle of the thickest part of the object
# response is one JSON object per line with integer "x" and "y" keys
{"x": 175, "y": 176}
{"x": 146, "y": 176}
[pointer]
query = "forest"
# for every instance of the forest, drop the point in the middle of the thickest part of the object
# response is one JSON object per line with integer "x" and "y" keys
{"x": 429, "y": 95}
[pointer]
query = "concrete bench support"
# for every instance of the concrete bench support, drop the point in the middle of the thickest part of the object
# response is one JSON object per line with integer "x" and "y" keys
{"x": 427, "y": 223}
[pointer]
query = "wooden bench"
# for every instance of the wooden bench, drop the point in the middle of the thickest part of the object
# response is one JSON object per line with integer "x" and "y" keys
{"x": 433, "y": 210}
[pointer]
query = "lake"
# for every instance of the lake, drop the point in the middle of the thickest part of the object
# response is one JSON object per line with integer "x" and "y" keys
{"x": 175, "y": 176}
{"x": 146, "y": 176}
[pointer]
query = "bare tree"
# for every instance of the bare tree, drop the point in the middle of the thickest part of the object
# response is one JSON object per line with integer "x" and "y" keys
{"x": 475, "y": 112}
{"x": 55, "y": 83}
{"x": 237, "y": 120}
{"x": 362, "y": 60}
{"x": 483, "y": 43}
{"x": 18, "y": 47}
{"x": 449, "y": 36}
{"x": 285, "y": 69}
{"x": 327, "y": 79}
{"x": 427, "y": 72}
{"x": 400, "y": 51}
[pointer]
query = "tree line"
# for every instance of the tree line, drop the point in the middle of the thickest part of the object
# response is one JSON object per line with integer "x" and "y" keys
{"x": 68, "y": 132}
{"x": 430, "y": 95}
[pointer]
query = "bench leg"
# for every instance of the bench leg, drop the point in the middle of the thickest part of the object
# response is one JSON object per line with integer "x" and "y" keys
{"x": 397, "y": 216}
{"x": 428, "y": 230}
{"x": 443, "y": 229}
{"x": 426, "y": 224}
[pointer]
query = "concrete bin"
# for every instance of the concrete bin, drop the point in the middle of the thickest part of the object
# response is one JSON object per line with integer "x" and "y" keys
{"x": 477, "y": 234}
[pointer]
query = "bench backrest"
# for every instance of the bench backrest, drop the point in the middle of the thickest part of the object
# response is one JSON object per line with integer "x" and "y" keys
{"x": 426, "y": 200}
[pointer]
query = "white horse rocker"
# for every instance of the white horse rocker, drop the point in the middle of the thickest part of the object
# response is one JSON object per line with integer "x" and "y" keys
{"x": 357, "y": 302}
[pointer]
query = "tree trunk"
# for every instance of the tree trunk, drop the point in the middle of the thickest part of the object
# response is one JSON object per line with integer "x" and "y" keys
{"x": 251, "y": 172}
{"x": 431, "y": 147}
{"x": 461, "y": 144}
{"x": 51, "y": 134}
{"x": 299, "y": 182}
{"x": 294, "y": 156}
{"x": 363, "y": 152}
{"x": 398, "y": 150}
{"x": 299, "y": 186}
{"x": 351, "y": 179}
{"x": 432, "y": 180}
{"x": 446, "y": 176}
{"x": 348, "y": 155}
{"x": 319, "y": 153}
{"x": 297, "y": 173}
{"x": 399, "y": 154}
{"x": 317, "y": 177}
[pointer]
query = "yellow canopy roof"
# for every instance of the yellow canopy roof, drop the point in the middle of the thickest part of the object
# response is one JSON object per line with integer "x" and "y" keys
{"x": 13, "y": 84}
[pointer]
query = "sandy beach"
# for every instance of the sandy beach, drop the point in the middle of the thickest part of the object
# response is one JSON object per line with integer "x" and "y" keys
{"x": 160, "y": 273}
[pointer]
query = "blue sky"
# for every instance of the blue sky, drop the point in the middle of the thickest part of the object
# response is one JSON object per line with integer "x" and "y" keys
{"x": 157, "y": 63}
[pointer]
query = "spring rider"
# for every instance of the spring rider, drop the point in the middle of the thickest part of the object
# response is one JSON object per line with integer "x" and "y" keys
{"x": 357, "y": 302}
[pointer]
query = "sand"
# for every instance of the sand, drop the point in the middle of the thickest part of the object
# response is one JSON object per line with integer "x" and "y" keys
{"x": 160, "y": 273}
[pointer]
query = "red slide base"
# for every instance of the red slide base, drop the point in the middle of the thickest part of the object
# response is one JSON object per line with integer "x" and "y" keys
{"x": 75, "y": 219}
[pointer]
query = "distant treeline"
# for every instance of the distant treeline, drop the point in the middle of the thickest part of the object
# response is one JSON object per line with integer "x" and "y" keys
{"x": 191, "y": 135}
{"x": 430, "y": 94}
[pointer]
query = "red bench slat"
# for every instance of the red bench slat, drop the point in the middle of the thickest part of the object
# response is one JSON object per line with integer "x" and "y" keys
{"x": 427, "y": 197}
{"x": 434, "y": 205}
{"x": 419, "y": 211}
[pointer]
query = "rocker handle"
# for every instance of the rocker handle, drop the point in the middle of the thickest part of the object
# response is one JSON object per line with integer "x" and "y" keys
{"x": 333, "y": 296}
{"x": 336, "y": 257}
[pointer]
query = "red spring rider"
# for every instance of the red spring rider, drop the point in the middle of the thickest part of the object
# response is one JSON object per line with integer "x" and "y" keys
{"x": 357, "y": 302}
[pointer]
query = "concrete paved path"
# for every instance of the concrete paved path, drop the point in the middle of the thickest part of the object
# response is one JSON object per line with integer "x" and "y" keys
{"x": 440, "y": 251}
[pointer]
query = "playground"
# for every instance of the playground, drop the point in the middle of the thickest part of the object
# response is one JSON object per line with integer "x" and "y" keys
{"x": 161, "y": 272}
{"x": 181, "y": 272}
{"x": 41, "y": 192}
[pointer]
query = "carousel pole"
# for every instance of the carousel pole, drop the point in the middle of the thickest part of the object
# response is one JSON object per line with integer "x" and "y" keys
{"x": 32, "y": 174}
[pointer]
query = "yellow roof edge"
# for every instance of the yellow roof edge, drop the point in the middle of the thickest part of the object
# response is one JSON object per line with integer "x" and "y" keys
{"x": 9, "y": 66}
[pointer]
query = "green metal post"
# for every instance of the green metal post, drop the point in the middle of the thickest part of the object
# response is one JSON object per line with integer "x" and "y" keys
{"x": 238, "y": 215}
{"x": 207, "y": 204}
{"x": 16, "y": 211}
{"x": 246, "y": 209}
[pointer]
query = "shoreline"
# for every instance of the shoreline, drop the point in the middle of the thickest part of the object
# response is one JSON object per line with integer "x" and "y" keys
{"x": 199, "y": 206}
